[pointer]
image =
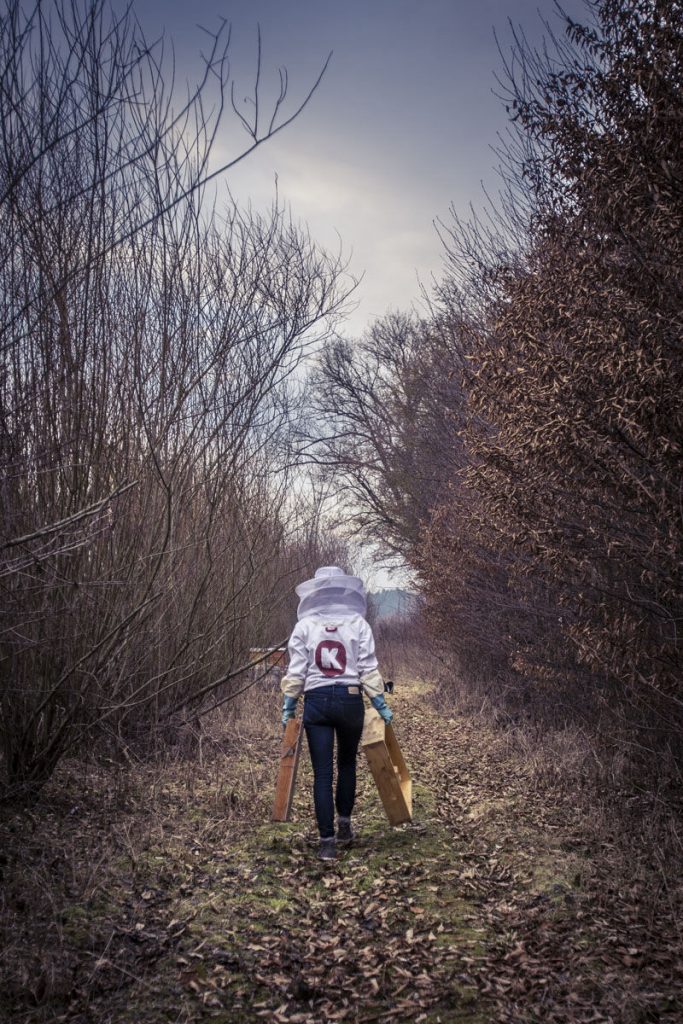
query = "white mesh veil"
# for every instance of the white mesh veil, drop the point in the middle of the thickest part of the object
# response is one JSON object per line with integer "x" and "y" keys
{"x": 331, "y": 592}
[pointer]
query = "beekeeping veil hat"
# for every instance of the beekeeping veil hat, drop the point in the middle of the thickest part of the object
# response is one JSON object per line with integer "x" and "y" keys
{"x": 331, "y": 592}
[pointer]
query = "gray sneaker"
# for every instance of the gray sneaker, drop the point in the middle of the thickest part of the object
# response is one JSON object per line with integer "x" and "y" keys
{"x": 345, "y": 833}
{"x": 328, "y": 849}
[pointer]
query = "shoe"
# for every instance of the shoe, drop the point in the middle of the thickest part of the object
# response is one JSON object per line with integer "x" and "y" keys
{"x": 328, "y": 849}
{"x": 345, "y": 833}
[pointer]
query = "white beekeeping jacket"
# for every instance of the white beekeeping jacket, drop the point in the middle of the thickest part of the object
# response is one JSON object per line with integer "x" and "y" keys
{"x": 331, "y": 642}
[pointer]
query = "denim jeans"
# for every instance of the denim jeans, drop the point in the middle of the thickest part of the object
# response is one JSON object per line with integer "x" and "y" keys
{"x": 329, "y": 710}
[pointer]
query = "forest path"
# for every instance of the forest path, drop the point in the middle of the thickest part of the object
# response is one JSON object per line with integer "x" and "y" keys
{"x": 184, "y": 903}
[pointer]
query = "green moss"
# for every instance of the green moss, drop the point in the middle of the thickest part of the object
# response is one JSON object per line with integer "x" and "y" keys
{"x": 553, "y": 876}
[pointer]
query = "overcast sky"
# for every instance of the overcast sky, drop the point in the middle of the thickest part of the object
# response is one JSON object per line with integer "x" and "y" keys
{"x": 401, "y": 126}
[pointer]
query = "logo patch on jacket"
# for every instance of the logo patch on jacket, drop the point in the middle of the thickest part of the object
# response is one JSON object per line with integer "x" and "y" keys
{"x": 330, "y": 657}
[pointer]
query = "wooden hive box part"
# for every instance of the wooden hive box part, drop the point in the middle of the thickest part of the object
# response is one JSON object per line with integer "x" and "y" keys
{"x": 289, "y": 762}
{"x": 388, "y": 768}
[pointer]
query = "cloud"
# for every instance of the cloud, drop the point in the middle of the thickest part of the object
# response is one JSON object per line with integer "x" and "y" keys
{"x": 387, "y": 232}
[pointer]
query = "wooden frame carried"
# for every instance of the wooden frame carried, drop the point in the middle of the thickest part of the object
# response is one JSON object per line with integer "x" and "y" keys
{"x": 289, "y": 762}
{"x": 388, "y": 768}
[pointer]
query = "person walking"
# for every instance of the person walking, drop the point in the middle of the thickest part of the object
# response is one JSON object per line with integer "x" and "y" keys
{"x": 332, "y": 662}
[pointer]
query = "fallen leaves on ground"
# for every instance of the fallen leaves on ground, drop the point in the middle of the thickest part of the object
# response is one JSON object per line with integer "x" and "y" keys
{"x": 174, "y": 898}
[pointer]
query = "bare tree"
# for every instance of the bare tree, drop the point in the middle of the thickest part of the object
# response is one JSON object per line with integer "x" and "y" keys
{"x": 149, "y": 349}
{"x": 379, "y": 419}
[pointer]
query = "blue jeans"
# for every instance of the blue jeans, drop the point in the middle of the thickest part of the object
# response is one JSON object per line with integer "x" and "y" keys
{"x": 329, "y": 710}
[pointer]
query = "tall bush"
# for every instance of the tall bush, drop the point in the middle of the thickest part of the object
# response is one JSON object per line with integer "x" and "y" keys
{"x": 148, "y": 349}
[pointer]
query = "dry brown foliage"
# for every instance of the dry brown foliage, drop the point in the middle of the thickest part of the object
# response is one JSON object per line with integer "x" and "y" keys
{"x": 575, "y": 370}
{"x": 522, "y": 448}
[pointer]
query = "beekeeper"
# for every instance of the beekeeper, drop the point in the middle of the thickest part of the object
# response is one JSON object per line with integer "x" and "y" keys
{"x": 332, "y": 662}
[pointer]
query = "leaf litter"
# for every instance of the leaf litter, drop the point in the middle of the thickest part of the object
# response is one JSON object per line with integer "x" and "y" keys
{"x": 494, "y": 905}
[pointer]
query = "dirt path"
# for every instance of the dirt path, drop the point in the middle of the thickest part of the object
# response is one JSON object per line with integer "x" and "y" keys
{"x": 183, "y": 903}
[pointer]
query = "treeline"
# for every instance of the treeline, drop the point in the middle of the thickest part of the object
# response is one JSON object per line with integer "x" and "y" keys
{"x": 521, "y": 447}
{"x": 150, "y": 518}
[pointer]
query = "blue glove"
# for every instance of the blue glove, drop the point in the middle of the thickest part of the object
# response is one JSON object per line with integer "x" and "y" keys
{"x": 379, "y": 704}
{"x": 288, "y": 709}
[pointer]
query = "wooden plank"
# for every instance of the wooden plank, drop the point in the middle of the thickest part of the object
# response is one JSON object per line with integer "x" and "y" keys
{"x": 388, "y": 768}
{"x": 400, "y": 767}
{"x": 289, "y": 762}
{"x": 373, "y": 728}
